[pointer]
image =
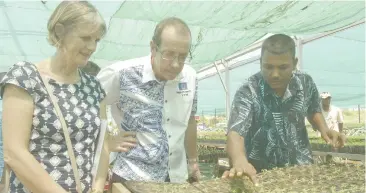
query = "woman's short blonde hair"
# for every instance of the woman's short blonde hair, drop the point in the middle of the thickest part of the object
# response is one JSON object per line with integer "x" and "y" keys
{"x": 69, "y": 14}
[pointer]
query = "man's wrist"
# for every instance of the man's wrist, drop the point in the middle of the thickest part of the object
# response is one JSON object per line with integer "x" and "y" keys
{"x": 323, "y": 129}
{"x": 239, "y": 161}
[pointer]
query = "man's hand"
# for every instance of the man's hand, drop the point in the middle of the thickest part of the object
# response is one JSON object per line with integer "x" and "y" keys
{"x": 334, "y": 138}
{"x": 122, "y": 142}
{"x": 194, "y": 173}
{"x": 240, "y": 169}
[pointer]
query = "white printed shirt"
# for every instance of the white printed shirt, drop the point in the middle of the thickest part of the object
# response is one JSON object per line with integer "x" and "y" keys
{"x": 333, "y": 117}
{"x": 158, "y": 111}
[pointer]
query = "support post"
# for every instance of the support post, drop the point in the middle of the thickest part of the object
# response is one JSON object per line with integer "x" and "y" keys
{"x": 218, "y": 71}
{"x": 227, "y": 83}
{"x": 215, "y": 118}
{"x": 359, "y": 114}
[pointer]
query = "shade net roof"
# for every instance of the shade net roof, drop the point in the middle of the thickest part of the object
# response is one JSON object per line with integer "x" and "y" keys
{"x": 219, "y": 29}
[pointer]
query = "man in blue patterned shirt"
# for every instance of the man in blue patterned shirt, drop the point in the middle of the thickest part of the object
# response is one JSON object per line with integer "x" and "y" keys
{"x": 156, "y": 97}
{"x": 266, "y": 128}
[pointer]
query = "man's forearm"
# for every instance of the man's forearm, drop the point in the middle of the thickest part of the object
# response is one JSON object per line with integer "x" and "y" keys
{"x": 235, "y": 148}
{"x": 317, "y": 121}
{"x": 190, "y": 141}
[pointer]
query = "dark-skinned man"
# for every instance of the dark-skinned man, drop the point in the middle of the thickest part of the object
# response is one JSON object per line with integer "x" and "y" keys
{"x": 266, "y": 128}
{"x": 332, "y": 114}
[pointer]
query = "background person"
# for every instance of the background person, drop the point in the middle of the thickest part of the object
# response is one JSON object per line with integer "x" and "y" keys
{"x": 332, "y": 114}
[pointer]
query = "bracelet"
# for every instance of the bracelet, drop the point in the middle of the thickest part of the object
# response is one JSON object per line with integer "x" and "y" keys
{"x": 114, "y": 131}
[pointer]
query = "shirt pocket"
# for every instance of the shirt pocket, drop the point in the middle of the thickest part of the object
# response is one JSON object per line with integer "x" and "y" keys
{"x": 185, "y": 96}
{"x": 181, "y": 109}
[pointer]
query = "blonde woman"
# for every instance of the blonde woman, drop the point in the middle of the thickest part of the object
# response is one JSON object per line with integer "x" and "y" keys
{"x": 34, "y": 143}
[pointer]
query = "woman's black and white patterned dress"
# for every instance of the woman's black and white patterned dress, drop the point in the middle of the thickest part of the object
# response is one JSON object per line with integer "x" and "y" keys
{"x": 79, "y": 104}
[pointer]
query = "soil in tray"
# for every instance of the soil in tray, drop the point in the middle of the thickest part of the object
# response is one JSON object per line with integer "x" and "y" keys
{"x": 353, "y": 146}
{"x": 351, "y": 141}
{"x": 325, "y": 178}
{"x": 352, "y": 149}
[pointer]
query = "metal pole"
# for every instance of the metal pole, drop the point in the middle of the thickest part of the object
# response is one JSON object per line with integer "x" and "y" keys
{"x": 334, "y": 31}
{"x": 232, "y": 66}
{"x": 359, "y": 114}
{"x": 227, "y": 83}
{"x": 247, "y": 50}
{"x": 218, "y": 71}
{"x": 215, "y": 118}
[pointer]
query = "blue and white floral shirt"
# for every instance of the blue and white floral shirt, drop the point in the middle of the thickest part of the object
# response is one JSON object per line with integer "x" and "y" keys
{"x": 158, "y": 111}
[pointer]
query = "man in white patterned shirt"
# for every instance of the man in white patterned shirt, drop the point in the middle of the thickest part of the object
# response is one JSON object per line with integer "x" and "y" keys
{"x": 332, "y": 114}
{"x": 156, "y": 97}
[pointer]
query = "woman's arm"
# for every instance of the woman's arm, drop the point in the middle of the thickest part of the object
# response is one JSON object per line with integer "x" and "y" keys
{"x": 18, "y": 105}
{"x": 103, "y": 162}
{"x": 102, "y": 171}
{"x": 120, "y": 143}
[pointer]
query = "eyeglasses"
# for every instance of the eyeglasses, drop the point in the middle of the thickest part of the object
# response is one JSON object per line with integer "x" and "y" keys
{"x": 171, "y": 56}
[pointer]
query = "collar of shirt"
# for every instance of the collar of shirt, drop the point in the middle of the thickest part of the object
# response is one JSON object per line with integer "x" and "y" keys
{"x": 148, "y": 73}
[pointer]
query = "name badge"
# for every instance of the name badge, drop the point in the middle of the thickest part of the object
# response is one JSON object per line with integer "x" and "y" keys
{"x": 183, "y": 89}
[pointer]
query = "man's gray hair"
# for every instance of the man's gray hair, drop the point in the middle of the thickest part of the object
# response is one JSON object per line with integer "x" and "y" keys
{"x": 175, "y": 22}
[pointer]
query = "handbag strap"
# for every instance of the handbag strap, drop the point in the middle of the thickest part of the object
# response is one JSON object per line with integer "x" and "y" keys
{"x": 66, "y": 134}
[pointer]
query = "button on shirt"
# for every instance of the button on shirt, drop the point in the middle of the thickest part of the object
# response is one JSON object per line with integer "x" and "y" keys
{"x": 158, "y": 111}
{"x": 273, "y": 127}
